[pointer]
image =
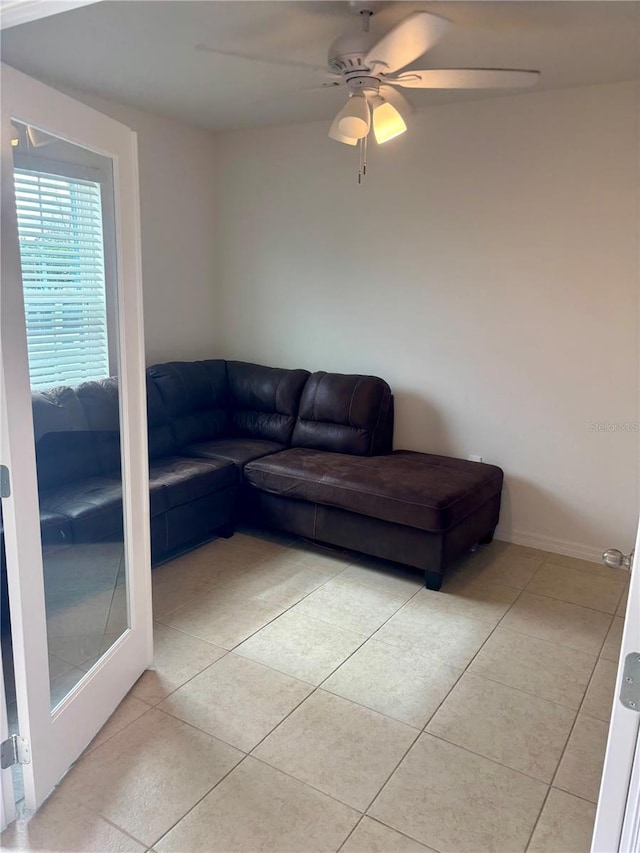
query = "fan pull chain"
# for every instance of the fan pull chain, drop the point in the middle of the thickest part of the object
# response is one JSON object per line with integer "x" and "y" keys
{"x": 362, "y": 150}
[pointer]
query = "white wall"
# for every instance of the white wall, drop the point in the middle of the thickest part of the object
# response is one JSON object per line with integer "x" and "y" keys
{"x": 487, "y": 268}
{"x": 178, "y": 215}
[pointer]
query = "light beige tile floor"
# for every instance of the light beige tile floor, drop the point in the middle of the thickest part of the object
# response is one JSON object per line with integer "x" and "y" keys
{"x": 305, "y": 699}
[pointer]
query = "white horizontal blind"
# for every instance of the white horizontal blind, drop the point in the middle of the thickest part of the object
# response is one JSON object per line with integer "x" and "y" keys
{"x": 62, "y": 256}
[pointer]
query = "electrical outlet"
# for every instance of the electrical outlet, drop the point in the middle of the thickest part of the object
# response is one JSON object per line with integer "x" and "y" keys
{"x": 473, "y": 458}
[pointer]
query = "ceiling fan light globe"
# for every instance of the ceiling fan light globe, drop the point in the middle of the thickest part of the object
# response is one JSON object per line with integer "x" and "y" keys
{"x": 353, "y": 126}
{"x": 334, "y": 133}
{"x": 354, "y": 119}
{"x": 387, "y": 123}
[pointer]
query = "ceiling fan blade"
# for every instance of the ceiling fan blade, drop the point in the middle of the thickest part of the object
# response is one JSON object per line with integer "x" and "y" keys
{"x": 396, "y": 99}
{"x": 465, "y": 78}
{"x": 408, "y": 40}
{"x": 291, "y": 63}
{"x": 301, "y": 90}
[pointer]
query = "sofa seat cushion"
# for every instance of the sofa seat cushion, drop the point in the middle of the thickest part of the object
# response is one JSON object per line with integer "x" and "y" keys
{"x": 92, "y": 507}
{"x": 183, "y": 479}
{"x": 419, "y": 490}
{"x": 237, "y": 450}
{"x": 54, "y": 528}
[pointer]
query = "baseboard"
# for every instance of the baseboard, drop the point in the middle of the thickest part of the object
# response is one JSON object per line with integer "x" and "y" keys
{"x": 549, "y": 543}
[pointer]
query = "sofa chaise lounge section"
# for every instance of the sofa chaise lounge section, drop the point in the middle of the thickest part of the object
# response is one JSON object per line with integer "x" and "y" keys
{"x": 316, "y": 460}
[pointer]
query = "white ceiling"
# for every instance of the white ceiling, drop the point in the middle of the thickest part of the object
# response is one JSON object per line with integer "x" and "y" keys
{"x": 143, "y": 52}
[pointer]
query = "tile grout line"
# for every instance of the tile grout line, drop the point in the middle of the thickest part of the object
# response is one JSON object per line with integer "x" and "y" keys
{"x": 197, "y": 803}
{"x": 211, "y": 584}
{"x": 307, "y": 785}
{"x": 379, "y": 820}
{"x": 564, "y": 750}
{"x": 580, "y": 572}
{"x": 580, "y": 711}
{"x": 398, "y": 763}
{"x": 124, "y": 831}
{"x": 250, "y": 751}
{"x": 527, "y": 692}
{"x": 465, "y": 669}
{"x": 549, "y": 598}
{"x": 89, "y": 749}
{"x": 177, "y": 719}
{"x": 486, "y": 758}
{"x": 353, "y": 829}
{"x": 184, "y": 683}
{"x": 386, "y": 826}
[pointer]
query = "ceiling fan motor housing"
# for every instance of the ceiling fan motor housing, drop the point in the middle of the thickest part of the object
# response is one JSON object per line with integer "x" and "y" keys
{"x": 347, "y": 53}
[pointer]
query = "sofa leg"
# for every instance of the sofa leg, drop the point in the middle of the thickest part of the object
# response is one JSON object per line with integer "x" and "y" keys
{"x": 488, "y": 538}
{"x": 226, "y": 531}
{"x": 432, "y": 580}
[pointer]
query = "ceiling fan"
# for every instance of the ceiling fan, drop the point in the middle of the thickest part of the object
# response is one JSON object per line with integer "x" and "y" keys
{"x": 371, "y": 66}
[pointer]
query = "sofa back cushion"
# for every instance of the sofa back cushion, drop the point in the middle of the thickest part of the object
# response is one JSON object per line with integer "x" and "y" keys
{"x": 345, "y": 414}
{"x": 65, "y": 451}
{"x": 161, "y": 439}
{"x": 195, "y": 396}
{"x": 264, "y": 400}
{"x": 99, "y": 400}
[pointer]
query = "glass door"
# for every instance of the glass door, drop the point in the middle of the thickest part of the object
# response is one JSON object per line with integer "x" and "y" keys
{"x": 75, "y": 524}
{"x": 65, "y": 215}
{"x": 617, "y": 824}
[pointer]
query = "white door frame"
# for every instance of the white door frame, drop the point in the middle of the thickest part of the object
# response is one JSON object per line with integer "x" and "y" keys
{"x": 7, "y": 798}
{"x": 57, "y": 740}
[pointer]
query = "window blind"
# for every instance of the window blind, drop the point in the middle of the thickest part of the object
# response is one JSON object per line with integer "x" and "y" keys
{"x": 62, "y": 258}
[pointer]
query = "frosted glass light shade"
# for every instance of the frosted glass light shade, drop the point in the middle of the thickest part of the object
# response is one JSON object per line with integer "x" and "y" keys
{"x": 354, "y": 119}
{"x": 334, "y": 133}
{"x": 387, "y": 123}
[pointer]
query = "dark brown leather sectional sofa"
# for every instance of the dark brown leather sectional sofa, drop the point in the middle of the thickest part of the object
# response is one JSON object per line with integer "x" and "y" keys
{"x": 310, "y": 454}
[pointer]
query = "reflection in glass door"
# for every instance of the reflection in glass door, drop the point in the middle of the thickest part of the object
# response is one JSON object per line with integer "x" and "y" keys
{"x": 65, "y": 209}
